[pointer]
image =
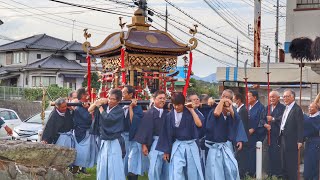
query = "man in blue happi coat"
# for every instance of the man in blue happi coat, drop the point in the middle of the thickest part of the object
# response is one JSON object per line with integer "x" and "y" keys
{"x": 58, "y": 129}
{"x": 86, "y": 145}
{"x": 134, "y": 162}
{"x": 148, "y": 134}
{"x": 312, "y": 148}
{"x": 194, "y": 99}
{"x": 224, "y": 129}
{"x": 178, "y": 141}
{"x": 257, "y": 132}
{"x": 275, "y": 117}
{"x": 111, "y": 125}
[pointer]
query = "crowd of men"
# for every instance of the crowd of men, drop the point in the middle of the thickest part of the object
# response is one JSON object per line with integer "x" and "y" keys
{"x": 201, "y": 140}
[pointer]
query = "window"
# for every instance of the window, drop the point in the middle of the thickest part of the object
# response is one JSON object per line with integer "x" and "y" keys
{"x": 308, "y": 4}
{"x": 38, "y": 56}
{"x": 81, "y": 58}
{"x": 45, "y": 80}
{"x": 13, "y": 115}
{"x": 5, "y": 115}
{"x": 19, "y": 57}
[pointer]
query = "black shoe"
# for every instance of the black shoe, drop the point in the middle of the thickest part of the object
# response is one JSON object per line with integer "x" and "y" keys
{"x": 83, "y": 171}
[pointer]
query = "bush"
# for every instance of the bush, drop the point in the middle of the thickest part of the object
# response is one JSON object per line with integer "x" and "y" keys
{"x": 53, "y": 93}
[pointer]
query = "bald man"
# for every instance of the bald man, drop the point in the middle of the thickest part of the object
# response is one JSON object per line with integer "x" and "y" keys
{"x": 275, "y": 117}
{"x": 311, "y": 134}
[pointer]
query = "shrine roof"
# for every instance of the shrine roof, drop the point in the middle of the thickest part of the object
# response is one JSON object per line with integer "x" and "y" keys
{"x": 152, "y": 41}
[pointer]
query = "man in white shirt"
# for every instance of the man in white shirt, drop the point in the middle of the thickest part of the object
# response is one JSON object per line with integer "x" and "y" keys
{"x": 242, "y": 156}
{"x": 291, "y": 135}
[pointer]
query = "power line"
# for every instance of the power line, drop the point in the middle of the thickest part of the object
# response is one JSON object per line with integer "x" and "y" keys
{"x": 202, "y": 42}
{"x": 226, "y": 10}
{"x": 202, "y": 24}
{"x": 51, "y": 20}
{"x": 63, "y": 17}
{"x": 227, "y": 21}
{"x": 92, "y": 8}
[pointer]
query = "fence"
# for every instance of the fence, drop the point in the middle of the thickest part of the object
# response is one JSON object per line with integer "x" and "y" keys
{"x": 10, "y": 93}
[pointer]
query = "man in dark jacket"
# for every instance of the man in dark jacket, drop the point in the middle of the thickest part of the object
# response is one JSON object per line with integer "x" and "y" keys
{"x": 59, "y": 127}
{"x": 291, "y": 135}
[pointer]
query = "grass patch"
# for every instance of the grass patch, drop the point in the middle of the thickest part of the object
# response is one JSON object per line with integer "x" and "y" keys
{"x": 92, "y": 175}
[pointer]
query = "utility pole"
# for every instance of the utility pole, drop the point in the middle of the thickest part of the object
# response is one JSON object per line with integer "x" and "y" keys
{"x": 257, "y": 32}
{"x": 237, "y": 52}
{"x": 277, "y": 34}
{"x": 166, "y": 18}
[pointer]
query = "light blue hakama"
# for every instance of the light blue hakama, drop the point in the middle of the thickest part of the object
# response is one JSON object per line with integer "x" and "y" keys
{"x": 185, "y": 161}
{"x": 137, "y": 163}
{"x": 66, "y": 140}
{"x": 158, "y": 168}
{"x": 110, "y": 164}
{"x": 87, "y": 151}
{"x": 125, "y": 136}
{"x": 221, "y": 163}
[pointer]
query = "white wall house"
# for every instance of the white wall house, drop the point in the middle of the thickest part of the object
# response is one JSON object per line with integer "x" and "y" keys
{"x": 42, "y": 58}
{"x": 302, "y": 20}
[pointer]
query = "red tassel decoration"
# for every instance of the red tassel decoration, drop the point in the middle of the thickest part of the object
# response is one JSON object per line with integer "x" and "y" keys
{"x": 188, "y": 75}
{"x": 89, "y": 76}
{"x": 122, "y": 66}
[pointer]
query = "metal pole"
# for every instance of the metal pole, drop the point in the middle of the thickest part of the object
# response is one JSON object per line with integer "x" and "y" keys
{"x": 259, "y": 160}
{"x": 268, "y": 74}
{"x": 277, "y": 34}
{"x": 257, "y": 32}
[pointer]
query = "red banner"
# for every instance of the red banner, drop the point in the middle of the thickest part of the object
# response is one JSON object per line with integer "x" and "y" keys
{"x": 122, "y": 66}
{"x": 188, "y": 75}
{"x": 89, "y": 76}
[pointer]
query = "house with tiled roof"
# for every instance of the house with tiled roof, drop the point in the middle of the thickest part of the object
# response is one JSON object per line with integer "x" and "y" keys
{"x": 42, "y": 59}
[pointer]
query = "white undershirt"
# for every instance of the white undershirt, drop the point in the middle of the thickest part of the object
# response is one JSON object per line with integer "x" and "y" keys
{"x": 238, "y": 109}
{"x": 253, "y": 105}
{"x": 160, "y": 111}
{"x": 285, "y": 115}
{"x": 126, "y": 109}
{"x": 177, "y": 118}
{"x": 108, "y": 110}
{"x": 315, "y": 114}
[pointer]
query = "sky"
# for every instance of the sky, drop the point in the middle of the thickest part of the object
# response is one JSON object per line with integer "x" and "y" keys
{"x": 24, "y": 18}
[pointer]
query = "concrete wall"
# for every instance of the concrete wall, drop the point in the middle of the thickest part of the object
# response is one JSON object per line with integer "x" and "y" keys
{"x": 70, "y": 56}
{"x": 300, "y": 24}
{"x": 23, "y": 108}
{"x": 32, "y": 57}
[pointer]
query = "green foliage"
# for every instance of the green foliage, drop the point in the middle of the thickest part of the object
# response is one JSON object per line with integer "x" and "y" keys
{"x": 53, "y": 92}
{"x": 202, "y": 87}
{"x": 94, "y": 81}
{"x": 92, "y": 175}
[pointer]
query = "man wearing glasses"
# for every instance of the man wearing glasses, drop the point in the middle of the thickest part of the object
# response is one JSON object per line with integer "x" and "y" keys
{"x": 291, "y": 135}
{"x": 111, "y": 124}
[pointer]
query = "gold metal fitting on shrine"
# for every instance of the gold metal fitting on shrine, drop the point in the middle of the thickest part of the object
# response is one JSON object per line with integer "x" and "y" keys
{"x": 86, "y": 45}
{"x": 193, "y": 41}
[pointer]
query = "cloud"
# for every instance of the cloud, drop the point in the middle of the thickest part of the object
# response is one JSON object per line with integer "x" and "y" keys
{"x": 101, "y": 25}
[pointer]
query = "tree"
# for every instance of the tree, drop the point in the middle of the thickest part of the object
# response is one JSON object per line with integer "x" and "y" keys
{"x": 94, "y": 81}
{"x": 202, "y": 87}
